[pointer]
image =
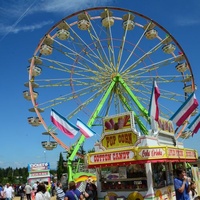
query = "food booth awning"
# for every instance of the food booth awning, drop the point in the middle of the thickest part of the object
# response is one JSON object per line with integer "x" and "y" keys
{"x": 140, "y": 155}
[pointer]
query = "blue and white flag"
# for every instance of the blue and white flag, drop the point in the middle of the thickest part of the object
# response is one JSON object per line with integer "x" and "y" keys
{"x": 84, "y": 129}
{"x": 185, "y": 110}
{"x": 195, "y": 125}
{"x": 63, "y": 124}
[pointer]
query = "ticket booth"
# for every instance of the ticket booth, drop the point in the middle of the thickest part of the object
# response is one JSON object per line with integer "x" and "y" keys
{"x": 39, "y": 172}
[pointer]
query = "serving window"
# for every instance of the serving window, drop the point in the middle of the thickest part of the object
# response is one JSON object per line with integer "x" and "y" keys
{"x": 162, "y": 174}
{"x": 124, "y": 178}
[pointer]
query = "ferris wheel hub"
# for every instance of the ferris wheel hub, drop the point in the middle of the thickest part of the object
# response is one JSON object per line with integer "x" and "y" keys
{"x": 114, "y": 75}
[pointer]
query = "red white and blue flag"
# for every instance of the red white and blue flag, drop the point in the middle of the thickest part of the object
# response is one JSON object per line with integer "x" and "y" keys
{"x": 195, "y": 125}
{"x": 185, "y": 110}
{"x": 63, "y": 124}
{"x": 153, "y": 109}
{"x": 84, "y": 129}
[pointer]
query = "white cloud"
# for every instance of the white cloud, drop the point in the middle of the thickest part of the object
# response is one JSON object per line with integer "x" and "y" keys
{"x": 60, "y": 6}
{"x": 32, "y": 27}
{"x": 14, "y": 11}
{"x": 187, "y": 21}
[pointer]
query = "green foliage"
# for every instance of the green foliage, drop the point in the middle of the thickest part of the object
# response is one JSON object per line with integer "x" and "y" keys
{"x": 60, "y": 167}
{"x": 91, "y": 150}
{"x": 13, "y": 176}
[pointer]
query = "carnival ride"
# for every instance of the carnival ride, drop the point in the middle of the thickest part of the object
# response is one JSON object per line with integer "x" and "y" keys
{"x": 102, "y": 61}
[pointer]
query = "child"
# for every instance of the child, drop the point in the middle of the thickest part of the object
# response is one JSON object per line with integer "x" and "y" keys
{"x": 192, "y": 190}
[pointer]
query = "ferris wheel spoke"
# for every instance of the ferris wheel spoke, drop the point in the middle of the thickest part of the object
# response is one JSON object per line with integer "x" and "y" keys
{"x": 85, "y": 45}
{"x": 110, "y": 44}
{"x": 140, "y": 80}
{"x": 144, "y": 89}
{"x": 62, "y": 82}
{"x": 96, "y": 41}
{"x": 86, "y": 102}
{"x": 120, "y": 54}
{"x": 143, "y": 96}
{"x": 159, "y": 64}
{"x": 151, "y": 67}
{"x": 75, "y": 54}
{"x": 138, "y": 42}
{"x": 142, "y": 58}
{"x": 85, "y": 68}
{"x": 65, "y": 66}
{"x": 97, "y": 56}
{"x": 85, "y": 59}
{"x": 71, "y": 96}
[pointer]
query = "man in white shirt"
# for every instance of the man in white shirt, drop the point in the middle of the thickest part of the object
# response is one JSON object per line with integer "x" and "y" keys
{"x": 28, "y": 190}
{"x": 9, "y": 191}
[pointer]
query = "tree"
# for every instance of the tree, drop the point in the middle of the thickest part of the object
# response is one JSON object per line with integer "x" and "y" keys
{"x": 60, "y": 167}
{"x": 10, "y": 175}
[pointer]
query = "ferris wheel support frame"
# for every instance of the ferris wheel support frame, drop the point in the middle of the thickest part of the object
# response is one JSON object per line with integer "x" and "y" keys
{"x": 116, "y": 79}
{"x": 90, "y": 122}
{"x": 136, "y": 118}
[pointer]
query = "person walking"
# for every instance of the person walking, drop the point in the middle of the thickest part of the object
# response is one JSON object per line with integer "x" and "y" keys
{"x": 21, "y": 191}
{"x": 28, "y": 190}
{"x": 60, "y": 195}
{"x": 53, "y": 188}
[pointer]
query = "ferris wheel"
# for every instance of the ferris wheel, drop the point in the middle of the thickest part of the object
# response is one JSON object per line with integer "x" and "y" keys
{"x": 102, "y": 61}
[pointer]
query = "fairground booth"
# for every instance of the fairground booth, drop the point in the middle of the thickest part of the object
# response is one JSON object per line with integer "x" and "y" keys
{"x": 39, "y": 172}
{"x": 132, "y": 166}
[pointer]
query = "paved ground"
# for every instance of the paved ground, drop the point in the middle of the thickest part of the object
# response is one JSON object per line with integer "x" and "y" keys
{"x": 18, "y": 198}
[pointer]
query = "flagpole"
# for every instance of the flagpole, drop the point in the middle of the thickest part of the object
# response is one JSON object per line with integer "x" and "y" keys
{"x": 154, "y": 126}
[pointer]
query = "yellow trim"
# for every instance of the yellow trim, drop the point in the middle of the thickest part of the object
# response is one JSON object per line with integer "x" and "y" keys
{"x": 134, "y": 196}
{"x": 140, "y": 154}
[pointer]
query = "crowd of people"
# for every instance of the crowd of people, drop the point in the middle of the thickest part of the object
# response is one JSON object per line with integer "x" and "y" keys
{"x": 36, "y": 192}
{"x": 72, "y": 193}
{"x": 41, "y": 191}
{"x": 185, "y": 189}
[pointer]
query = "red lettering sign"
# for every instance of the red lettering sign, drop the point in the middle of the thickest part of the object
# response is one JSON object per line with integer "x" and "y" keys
{"x": 152, "y": 153}
{"x": 112, "y": 157}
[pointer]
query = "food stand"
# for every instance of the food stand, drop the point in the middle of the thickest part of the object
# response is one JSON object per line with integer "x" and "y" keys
{"x": 133, "y": 166}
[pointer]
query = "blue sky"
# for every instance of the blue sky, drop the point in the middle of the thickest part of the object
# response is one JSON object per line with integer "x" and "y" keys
{"x": 24, "y": 22}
